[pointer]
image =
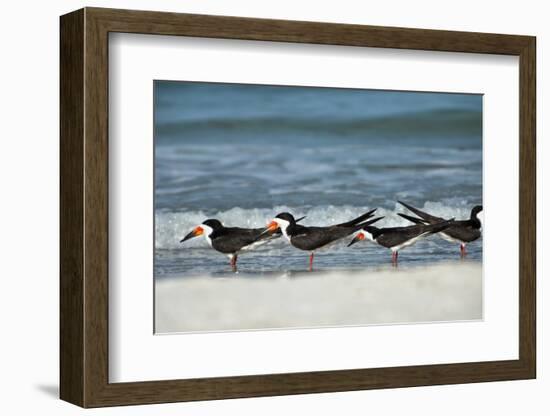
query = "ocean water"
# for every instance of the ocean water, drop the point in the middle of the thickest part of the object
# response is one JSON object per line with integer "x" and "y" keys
{"x": 243, "y": 153}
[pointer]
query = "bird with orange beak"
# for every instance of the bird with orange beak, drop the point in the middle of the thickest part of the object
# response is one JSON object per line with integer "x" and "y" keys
{"x": 231, "y": 241}
{"x": 313, "y": 238}
{"x": 397, "y": 238}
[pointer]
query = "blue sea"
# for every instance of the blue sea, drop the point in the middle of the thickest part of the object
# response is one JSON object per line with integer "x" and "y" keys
{"x": 244, "y": 153}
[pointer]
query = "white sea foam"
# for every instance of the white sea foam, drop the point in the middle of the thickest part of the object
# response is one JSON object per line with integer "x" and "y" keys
{"x": 171, "y": 227}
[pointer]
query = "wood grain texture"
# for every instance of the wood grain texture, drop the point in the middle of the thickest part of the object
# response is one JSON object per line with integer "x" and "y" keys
{"x": 528, "y": 207}
{"x": 225, "y": 27}
{"x": 84, "y": 207}
{"x": 71, "y": 158}
{"x": 96, "y": 209}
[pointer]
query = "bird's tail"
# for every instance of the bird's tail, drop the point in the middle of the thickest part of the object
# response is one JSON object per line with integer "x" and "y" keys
{"x": 359, "y": 219}
{"x": 440, "y": 226}
{"x": 424, "y": 215}
{"x": 412, "y": 219}
{"x": 367, "y": 223}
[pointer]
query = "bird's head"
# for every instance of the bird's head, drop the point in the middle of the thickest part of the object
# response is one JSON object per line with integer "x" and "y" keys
{"x": 206, "y": 228}
{"x": 366, "y": 233}
{"x": 476, "y": 210}
{"x": 282, "y": 221}
{"x": 477, "y": 214}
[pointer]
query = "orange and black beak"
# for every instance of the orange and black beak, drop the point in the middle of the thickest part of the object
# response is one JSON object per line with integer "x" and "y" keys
{"x": 195, "y": 233}
{"x": 271, "y": 227}
{"x": 360, "y": 236}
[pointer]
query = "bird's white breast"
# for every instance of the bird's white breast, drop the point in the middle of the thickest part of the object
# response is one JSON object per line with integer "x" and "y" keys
{"x": 283, "y": 225}
{"x": 207, "y": 231}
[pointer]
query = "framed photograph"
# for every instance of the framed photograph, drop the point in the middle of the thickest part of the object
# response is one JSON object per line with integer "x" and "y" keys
{"x": 255, "y": 207}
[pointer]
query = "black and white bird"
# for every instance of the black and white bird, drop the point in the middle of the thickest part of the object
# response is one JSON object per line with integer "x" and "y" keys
{"x": 313, "y": 238}
{"x": 461, "y": 232}
{"x": 397, "y": 238}
{"x": 231, "y": 240}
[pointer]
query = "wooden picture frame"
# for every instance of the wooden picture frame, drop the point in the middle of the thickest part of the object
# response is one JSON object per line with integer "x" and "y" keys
{"x": 84, "y": 207}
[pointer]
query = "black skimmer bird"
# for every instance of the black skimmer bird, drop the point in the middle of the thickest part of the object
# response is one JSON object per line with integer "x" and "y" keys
{"x": 397, "y": 238}
{"x": 313, "y": 238}
{"x": 231, "y": 240}
{"x": 462, "y": 232}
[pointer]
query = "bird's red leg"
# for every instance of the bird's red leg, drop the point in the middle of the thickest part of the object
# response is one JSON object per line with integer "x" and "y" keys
{"x": 234, "y": 263}
{"x": 394, "y": 256}
{"x": 311, "y": 262}
{"x": 462, "y": 250}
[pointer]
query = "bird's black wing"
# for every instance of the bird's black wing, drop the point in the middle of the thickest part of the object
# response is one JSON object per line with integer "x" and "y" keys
{"x": 233, "y": 239}
{"x": 394, "y": 236}
{"x": 412, "y": 219}
{"x": 311, "y": 238}
{"x": 389, "y": 237}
